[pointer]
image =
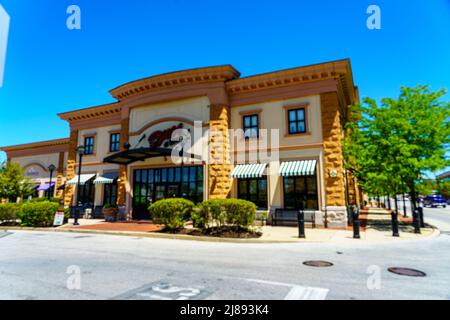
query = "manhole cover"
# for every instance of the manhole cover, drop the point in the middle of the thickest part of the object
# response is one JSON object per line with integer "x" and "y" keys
{"x": 319, "y": 264}
{"x": 407, "y": 272}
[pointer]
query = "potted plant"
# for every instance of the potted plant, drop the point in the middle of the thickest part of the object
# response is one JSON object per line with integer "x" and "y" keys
{"x": 110, "y": 212}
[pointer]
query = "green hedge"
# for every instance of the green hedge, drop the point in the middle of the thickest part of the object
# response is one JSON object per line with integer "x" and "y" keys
{"x": 225, "y": 212}
{"x": 9, "y": 212}
{"x": 38, "y": 214}
{"x": 173, "y": 213}
{"x": 45, "y": 199}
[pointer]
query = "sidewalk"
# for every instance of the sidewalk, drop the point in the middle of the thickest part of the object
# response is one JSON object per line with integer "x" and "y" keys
{"x": 375, "y": 228}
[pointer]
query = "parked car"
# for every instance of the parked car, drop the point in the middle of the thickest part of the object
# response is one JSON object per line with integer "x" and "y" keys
{"x": 435, "y": 200}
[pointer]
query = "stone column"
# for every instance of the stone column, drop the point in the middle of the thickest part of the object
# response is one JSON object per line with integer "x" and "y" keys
{"x": 219, "y": 147}
{"x": 59, "y": 174}
{"x": 333, "y": 160}
{"x": 71, "y": 161}
{"x": 122, "y": 183}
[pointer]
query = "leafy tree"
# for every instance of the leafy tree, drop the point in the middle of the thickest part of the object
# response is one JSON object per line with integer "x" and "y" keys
{"x": 426, "y": 187}
{"x": 389, "y": 146}
{"x": 443, "y": 187}
{"x": 13, "y": 183}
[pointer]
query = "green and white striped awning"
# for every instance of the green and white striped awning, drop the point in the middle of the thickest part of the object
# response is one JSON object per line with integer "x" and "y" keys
{"x": 243, "y": 171}
{"x": 298, "y": 168}
{"x": 83, "y": 179}
{"x": 107, "y": 178}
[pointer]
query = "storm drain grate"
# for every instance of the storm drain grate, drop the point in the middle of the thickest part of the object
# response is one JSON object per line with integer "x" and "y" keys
{"x": 318, "y": 264}
{"x": 407, "y": 272}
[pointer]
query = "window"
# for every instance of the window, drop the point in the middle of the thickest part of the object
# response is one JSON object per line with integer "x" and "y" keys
{"x": 110, "y": 196}
{"x": 114, "y": 142}
{"x": 297, "y": 121}
{"x": 50, "y": 192}
{"x": 151, "y": 185}
{"x": 87, "y": 194}
{"x": 251, "y": 126}
{"x": 300, "y": 192}
{"x": 89, "y": 145}
{"x": 254, "y": 190}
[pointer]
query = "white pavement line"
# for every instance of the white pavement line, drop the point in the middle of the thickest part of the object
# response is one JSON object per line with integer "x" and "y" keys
{"x": 298, "y": 292}
{"x": 307, "y": 293}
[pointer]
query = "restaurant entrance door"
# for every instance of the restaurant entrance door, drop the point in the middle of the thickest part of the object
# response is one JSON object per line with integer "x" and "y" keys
{"x": 151, "y": 185}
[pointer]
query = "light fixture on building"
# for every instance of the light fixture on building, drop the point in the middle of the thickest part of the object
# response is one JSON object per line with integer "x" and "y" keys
{"x": 333, "y": 173}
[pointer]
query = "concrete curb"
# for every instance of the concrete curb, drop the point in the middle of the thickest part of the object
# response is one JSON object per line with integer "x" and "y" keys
{"x": 148, "y": 235}
{"x": 436, "y": 233}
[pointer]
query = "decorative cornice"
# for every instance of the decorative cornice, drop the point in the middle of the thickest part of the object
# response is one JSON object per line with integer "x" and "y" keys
{"x": 106, "y": 110}
{"x": 339, "y": 70}
{"x": 175, "y": 79}
{"x": 35, "y": 145}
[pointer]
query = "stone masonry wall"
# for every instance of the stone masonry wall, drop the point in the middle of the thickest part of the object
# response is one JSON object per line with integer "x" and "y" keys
{"x": 219, "y": 167}
{"x": 71, "y": 161}
{"x": 333, "y": 159}
{"x": 60, "y": 174}
{"x": 122, "y": 187}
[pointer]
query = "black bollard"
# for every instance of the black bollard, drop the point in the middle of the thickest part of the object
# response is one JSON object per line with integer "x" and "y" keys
{"x": 422, "y": 222}
{"x": 356, "y": 225}
{"x": 394, "y": 224}
{"x": 301, "y": 224}
{"x": 416, "y": 221}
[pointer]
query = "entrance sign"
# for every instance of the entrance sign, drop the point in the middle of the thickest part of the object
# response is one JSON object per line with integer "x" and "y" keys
{"x": 59, "y": 219}
{"x": 157, "y": 138}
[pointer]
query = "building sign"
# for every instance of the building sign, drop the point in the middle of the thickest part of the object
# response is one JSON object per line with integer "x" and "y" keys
{"x": 162, "y": 138}
{"x": 32, "y": 172}
{"x": 59, "y": 219}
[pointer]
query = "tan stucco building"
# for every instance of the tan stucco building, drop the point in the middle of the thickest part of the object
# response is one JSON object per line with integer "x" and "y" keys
{"x": 295, "y": 116}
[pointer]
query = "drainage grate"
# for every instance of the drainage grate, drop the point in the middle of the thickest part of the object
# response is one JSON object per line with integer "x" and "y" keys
{"x": 318, "y": 264}
{"x": 407, "y": 272}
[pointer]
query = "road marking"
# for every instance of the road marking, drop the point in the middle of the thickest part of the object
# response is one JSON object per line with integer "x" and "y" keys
{"x": 307, "y": 293}
{"x": 297, "y": 292}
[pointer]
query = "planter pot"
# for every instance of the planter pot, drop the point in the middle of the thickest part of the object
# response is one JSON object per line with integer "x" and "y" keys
{"x": 110, "y": 214}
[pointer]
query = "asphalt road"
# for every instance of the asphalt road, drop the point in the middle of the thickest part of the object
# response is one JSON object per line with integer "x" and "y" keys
{"x": 36, "y": 265}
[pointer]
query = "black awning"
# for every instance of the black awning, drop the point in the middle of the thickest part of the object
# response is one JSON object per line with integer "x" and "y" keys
{"x": 134, "y": 155}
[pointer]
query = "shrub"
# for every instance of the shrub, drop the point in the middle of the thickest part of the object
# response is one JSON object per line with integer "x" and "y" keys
{"x": 226, "y": 212}
{"x": 45, "y": 199}
{"x": 38, "y": 214}
{"x": 173, "y": 213}
{"x": 9, "y": 212}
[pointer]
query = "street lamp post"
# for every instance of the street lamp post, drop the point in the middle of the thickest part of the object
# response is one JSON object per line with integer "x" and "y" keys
{"x": 80, "y": 151}
{"x": 51, "y": 168}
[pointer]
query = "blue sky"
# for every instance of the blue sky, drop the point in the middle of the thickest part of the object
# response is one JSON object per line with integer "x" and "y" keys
{"x": 50, "y": 69}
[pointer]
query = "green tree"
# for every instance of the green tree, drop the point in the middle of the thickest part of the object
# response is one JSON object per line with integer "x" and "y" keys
{"x": 443, "y": 188}
{"x": 13, "y": 183}
{"x": 426, "y": 187}
{"x": 389, "y": 146}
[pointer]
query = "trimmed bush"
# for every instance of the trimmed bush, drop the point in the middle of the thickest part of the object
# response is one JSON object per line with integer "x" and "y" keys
{"x": 38, "y": 214}
{"x": 9, "y": 212}
{"x": 173, "y": 213}
{"x": 45, "y": 199}
{"x": 226, "y": 212}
